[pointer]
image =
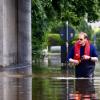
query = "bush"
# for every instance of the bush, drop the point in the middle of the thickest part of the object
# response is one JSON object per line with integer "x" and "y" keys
{"x": 98, "y": 40}
{"x": 54, "y": 39}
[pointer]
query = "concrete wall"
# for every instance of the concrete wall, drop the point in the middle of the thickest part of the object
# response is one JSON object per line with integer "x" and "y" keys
{"x": 15, "y": 32}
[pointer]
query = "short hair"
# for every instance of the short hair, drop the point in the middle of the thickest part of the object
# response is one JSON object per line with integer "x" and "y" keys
{"x": 85, "y": 35}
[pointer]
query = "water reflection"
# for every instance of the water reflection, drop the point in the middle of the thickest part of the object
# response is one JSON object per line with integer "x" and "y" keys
{"x": 14, "y": 85}
{"x": 48, "y": 89}
{"x": 65, "y": 89}
{"x": 15, "y": 88}
{"x": 84, "y": 90}
{"x": 63, "y": 85}
{"x": 70, "y": 71}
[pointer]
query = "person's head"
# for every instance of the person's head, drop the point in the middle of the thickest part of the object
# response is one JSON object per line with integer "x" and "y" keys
{"x": 82, "y": 37}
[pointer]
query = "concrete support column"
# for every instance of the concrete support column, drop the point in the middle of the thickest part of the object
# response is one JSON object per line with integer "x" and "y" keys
{"x": 8, "y": 32}
{"x": 15, "y": 32}
{"x": 24, "y": 31}
{"x": 1, "y": 32}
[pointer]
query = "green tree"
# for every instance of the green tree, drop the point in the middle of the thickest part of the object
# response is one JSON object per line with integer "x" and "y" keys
{"x": 47, "y": 14}
{"x": 84, "y": 27}
{"x": 98, "y": 40}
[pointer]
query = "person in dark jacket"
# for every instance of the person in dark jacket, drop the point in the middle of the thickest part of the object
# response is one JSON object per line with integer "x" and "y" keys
{"x": 83, "y": 55}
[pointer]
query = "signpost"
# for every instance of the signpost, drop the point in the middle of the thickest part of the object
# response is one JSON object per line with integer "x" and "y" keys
{"x": 67, "y": 54}
{"x": 67, "y": 38}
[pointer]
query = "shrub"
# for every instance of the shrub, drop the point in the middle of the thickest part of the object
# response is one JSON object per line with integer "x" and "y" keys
{"x": 54, "y": 39}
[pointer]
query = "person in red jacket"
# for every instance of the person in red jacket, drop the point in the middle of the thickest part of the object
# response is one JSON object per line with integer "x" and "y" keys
{"x": 83, "y": 54}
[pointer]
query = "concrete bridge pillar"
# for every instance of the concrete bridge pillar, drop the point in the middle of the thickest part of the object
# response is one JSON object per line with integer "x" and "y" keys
{"x": 15, "y": 32}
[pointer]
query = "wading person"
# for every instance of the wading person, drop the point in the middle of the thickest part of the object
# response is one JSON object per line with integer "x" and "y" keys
{"x": 83, "y": 55}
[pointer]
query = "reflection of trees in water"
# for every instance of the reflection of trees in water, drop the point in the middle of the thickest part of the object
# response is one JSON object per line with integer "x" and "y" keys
{"x": 70, "y": 89}
{"x": 68, "y": 69}
{"x": 46, "y": 89}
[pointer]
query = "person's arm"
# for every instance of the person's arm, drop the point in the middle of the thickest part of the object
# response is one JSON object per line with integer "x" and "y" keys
{"x": 94, "y": 55}
{"x": 95, "y": 59}
{"x": 71, "y": 56}
{"x": 73, "y": 61}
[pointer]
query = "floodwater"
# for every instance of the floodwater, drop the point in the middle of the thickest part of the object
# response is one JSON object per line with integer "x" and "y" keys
{"x": 16, "y": 83}
{"x": 59, "y": 83}
{"x": 48, "y": 81}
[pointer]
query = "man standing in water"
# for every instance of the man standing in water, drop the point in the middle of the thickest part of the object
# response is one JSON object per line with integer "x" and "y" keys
{"x": 83, "y": 55}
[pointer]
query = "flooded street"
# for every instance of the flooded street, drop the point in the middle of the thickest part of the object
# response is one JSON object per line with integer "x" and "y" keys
{"x": 63, "y": 89}
{"x": 50, "y": 82}
{"x": 15, "y": 83}
{"x": 59, "y": 83}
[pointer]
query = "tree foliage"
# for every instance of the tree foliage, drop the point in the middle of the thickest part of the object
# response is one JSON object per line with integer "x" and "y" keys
{"x": 47, "y": 14}
{"x": 84, "y": 27}
{"x": 71, "y": 10}
{"x": 98, "y": 40}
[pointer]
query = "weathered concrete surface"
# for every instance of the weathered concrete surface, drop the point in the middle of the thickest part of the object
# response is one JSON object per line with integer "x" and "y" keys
{"x": 15, "y": 87}
{"x": 24, "y": 31}
{"x": 15, "y": 32}
{"x": 1, "y": 32}
{"x": 9, "y": 32}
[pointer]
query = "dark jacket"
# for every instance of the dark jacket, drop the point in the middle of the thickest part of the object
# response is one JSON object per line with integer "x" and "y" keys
{"x": 86, "y": 67}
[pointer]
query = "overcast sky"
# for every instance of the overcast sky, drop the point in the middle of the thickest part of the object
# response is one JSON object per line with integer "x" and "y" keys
{"x": 96, "y": 24}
